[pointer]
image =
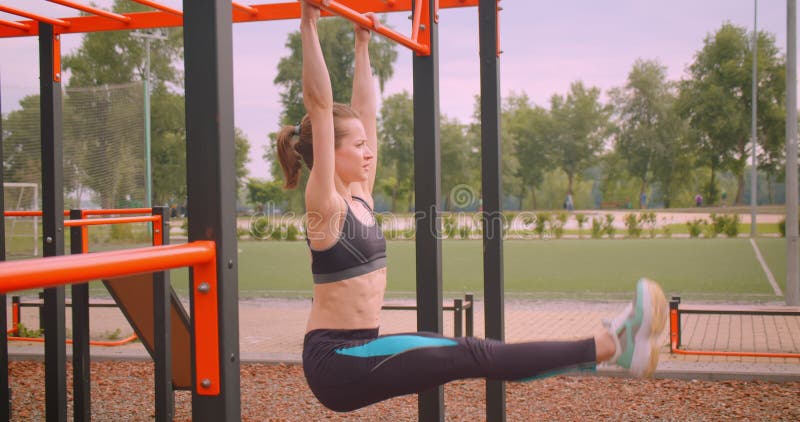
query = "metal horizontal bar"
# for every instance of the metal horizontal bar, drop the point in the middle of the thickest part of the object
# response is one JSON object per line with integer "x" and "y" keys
{"x": 16, "y": 25}
{"x": 33, "y": 16}
{"x": 69, "y": 269}
{"x": 93, "y": 10}
{"x": 113, "y": 211}
{"x": 173, "y": 18}
{"x": 113, "y": 220}
{"x": 160, "y": 7}
{"x": 244, "y": 8}
{"x": 67, "y": 304}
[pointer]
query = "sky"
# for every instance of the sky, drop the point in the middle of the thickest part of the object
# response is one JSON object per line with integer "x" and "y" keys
{"x": 546, "y": 46}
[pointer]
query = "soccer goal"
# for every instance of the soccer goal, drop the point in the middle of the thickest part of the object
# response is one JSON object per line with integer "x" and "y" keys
{"x": 22, "y": 233}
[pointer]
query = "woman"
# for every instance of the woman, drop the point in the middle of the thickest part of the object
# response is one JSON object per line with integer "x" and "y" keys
{"x": 346, "y": 363}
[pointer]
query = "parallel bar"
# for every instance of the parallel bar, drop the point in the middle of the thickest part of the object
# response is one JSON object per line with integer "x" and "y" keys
{"x": 61, "y": 270}
{"x": 81, "y": 374}
{"x": 54, "y": 321}
{"x": 211, "y": 193}
{"x": 167, "y": 17}
{"x": 160, "y": 7}
{"x": 162, "y": 330}
{"x": 492, "y": 189}
{"x": 427, "y": 185}
{"x": 93, "y": 10}
{"x": 17, "y": 25}
{"x": 118, "y": 211}
{"x": 113, "y": 220}
{"x": 35, "y": 17}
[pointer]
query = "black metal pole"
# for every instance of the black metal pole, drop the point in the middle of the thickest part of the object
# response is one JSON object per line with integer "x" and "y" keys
{"x": 5, "y": 390}
{"x": 162, "y": 329}
{"x": 211, "y": 176}
{"x": 81, "y": 374}
{"x": 55, "y": 350}
{"x": 491, "y": 188}
{"x": 427, "y": 185}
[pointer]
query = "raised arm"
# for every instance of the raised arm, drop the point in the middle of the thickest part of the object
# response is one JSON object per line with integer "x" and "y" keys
{"x": 364, "y": 101}
{"x": 318, "y": 100}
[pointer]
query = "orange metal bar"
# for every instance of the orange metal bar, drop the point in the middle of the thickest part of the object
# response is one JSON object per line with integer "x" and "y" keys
{"x": 244, "y": 8}
{"x": 160, "y": 7}
{"x": 674, "y": 330}
{"x": 22, "y": 213}
{"x": 60, "y": 270}
{"x": 56, "y": 57}
{"x": 117, "y": 220}
{"x": 93, "y": 10}
{"x": 206, "y": 325}
{"x": 17, "y": 25}
{"x": 167, "y": 17}
{"x": 115, "y": 211}
{"x": 34, "y": 16}
{"x": 346, "y": 12}
{"x": 415, "y": 23}
{"x": 69, "y": 341}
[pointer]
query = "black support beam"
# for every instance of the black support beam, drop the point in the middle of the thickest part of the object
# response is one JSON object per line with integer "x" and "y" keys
{"x": 81, "y": 373}
{"x": 211, "y": 177}
{"x": 492, "y": 189}
{"x": 427, "y": 186}
{"x": 55, "y": 355}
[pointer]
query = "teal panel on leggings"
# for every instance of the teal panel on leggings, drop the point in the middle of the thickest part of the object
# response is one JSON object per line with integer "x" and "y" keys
{"x": 391, "y": 345}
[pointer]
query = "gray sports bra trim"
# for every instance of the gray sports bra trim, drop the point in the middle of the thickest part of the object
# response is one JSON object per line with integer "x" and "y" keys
{"x": 350, "y": 272}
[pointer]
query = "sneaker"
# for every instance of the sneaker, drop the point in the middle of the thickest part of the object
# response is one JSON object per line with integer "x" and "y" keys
{"x": 637, "y": 329}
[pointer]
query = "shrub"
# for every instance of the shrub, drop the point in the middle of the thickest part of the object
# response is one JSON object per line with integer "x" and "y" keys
{"x": 667, "y": 231}
{"x": 597, "y": 228}
{"x": 608, "y": 226}
{"x": 464, "y": 232}
{"x": 581, "y": 220}
{"x": 542, "y": 223}
{"x": 558, "y": 224}
{"x": 695, "y": 227}
{"x": 23, "y": 331}
{"x": 632, "y": 223}
{"x": 731, "y": 228}
{"x": 709, "y": 230}
{"x": 449, "y": 227}
{"x": 648, "y": 221}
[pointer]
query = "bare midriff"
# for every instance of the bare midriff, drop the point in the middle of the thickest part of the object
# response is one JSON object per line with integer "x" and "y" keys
{"x": 350, "y": 304}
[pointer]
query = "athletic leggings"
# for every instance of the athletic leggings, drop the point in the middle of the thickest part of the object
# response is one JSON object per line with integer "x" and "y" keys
{"x": 350, "y": 369}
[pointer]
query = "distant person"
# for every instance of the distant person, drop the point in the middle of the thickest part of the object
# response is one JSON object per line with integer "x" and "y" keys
{"x": 568, "y": 204}
{"x": 347, "y": 363}
{"x": 643, "y": 201}
{"x": 698, "y": 200}
{"x": 724, "y": 198}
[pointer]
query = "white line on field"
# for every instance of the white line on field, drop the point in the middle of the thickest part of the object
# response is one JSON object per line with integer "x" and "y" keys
{"x": 770, "y": 277}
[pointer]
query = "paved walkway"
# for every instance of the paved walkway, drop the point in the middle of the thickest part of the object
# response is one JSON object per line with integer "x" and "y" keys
{"x": 271, "y": 330}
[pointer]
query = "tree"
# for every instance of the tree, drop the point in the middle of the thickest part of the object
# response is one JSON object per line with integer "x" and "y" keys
{"x": 396, "y": 135}
{"x": 21, "y": 143}
{"x": 460, "y": 162}
{"x": 716, "y": 99}
{"x": 264, "y": 192}
{"x": 336, "y": 40}
{"x": 647, "y": 129}
{"x": 581, "y": 125}
{"x": 531, "y": 131}
{"x": 115, "y": 57}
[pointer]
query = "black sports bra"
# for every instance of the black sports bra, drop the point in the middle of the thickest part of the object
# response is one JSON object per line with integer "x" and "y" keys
{"x": 360, "y": 249}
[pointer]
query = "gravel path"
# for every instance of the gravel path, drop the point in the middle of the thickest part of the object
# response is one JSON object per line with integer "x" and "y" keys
{"x": 122, "y": 391}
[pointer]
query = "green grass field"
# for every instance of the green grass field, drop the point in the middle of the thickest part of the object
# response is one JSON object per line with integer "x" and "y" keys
{"x": 709, "y": 269}
{"x": 713, "y": 269}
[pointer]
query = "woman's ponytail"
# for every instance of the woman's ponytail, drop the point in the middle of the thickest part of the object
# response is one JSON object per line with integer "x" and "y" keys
{"x": 288, "y": 156}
